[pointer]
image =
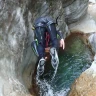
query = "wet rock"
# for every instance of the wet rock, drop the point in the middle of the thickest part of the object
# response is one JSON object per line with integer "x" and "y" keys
{"x": 92, "y": 40}
{"x": 86, "y": 25}
{"x": 13, "y": 40}
{"x": 85, "y": 85}
{"x": 75, "y": 11}
{"x": 92, "y": 10}
{"x": 92, "y": 1}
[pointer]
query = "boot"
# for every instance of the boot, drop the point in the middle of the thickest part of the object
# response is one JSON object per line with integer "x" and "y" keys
{"x": 40, "y": 67}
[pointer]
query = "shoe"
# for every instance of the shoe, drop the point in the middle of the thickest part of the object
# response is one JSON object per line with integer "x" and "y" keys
{"x": 40, "y": 67}
{"x": 54, "y": 59}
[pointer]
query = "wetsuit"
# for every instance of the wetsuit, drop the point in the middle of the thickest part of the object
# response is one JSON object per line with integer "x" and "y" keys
{"x": 43, "y": 25}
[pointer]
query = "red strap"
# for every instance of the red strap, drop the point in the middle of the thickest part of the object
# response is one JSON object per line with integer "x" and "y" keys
{"x": 47, "y": 39}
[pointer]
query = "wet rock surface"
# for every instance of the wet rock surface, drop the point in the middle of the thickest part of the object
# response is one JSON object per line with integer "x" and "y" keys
{"x": 13, "y": 37}
{"x": 92, "y": 40}
{"x": 88, "y": 23}
{"x": 85, "y": 85}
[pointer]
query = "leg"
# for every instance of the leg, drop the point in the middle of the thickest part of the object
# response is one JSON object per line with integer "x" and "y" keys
{"x": 40, "y": 35}
{"x": 53, "y": 52}
{"x": 53, "y": 35}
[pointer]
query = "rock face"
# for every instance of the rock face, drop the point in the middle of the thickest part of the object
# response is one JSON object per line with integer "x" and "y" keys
{"x": 92, "y": 40}
{"x": 67, "y": 11}
{"x": 75, "y": 11}
{"x": 91, "y": 9}
{"x": 13, "y": 41}
{"x": 17, "y": 60}
{"x": 88, "y": 23}
{"x": 85, "y": 85}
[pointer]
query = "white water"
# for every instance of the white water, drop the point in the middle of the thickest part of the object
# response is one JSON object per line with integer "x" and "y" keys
{"x": 47, "y": 90}
{"x": 54, "y": 73}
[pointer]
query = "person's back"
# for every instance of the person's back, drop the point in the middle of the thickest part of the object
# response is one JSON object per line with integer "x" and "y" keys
{"x": 43, "y": 21}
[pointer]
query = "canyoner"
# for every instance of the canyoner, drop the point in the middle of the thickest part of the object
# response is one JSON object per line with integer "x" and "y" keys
{"x": 47, "y": 39}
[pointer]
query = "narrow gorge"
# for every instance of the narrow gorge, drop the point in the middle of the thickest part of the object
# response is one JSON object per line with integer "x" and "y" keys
{"x": 76, "y": 19}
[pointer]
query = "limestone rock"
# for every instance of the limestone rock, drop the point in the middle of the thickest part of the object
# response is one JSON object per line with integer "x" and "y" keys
{"x": 13, "y": 41}
{"x": 86, "y": 25}
{"x": 92, "y": 10}
{"x": 92, "y": 1}
{"x": 92, "y": 40}
{"x": 76, "y": 10}
{"x": 85, "y": 85}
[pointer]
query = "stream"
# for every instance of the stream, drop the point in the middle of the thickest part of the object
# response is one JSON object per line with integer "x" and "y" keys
{"x": 76, "y": 58}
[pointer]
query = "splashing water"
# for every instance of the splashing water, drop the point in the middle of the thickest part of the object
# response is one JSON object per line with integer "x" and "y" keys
{"x": 45, "y": 88}
{"x": 54, "y": 73}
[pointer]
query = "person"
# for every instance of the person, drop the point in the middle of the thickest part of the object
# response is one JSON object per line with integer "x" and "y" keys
{"x": 44, "y": 27}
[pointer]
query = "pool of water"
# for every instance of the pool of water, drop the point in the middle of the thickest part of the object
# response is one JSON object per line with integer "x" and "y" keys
{"x": 76, "y": 58}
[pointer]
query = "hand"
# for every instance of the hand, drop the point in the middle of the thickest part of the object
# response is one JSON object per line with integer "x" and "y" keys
{"x": 46, "y": 58}
{"x": 62, "y": 43}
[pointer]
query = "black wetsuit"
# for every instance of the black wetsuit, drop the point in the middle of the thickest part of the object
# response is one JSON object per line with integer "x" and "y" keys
{"x": 43, "y": 25}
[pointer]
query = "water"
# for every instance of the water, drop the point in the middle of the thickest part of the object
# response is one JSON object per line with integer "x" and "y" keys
{"x": 73, "y": 61}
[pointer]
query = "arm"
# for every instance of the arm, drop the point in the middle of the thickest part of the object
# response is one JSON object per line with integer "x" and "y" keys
{"x": 62, "y": 43}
